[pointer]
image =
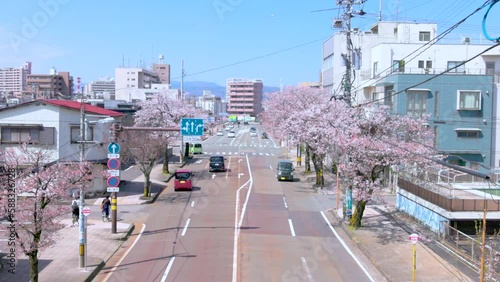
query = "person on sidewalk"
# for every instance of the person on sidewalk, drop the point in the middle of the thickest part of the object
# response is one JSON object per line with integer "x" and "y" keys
{"x": 106, "y": 203}
{"x": 75, "y": 210}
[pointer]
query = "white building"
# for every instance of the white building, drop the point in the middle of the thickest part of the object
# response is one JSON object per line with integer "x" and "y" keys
{"x": 210, "y": 102}
{"x": 390, "y": 47}
{"x": 13, "y": 80}
{"x": 103, "y": 88}
{"x": 55, "y": 124}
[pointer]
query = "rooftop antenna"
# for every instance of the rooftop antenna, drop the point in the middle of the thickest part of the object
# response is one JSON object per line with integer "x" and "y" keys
{"x": 160, "y": 59}
{"x": 123, "y": 60}
{"x": 380, "y": 12}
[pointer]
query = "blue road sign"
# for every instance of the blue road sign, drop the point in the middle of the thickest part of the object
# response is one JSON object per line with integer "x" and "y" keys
{"x": 192, "y": 126}
{"x": 113, "y": 181}
{"x": 114, "y": 164}
{"x": 113, "y": 148}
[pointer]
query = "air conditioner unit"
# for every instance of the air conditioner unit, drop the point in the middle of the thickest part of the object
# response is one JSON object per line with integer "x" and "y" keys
{"x": 466, "y": 40}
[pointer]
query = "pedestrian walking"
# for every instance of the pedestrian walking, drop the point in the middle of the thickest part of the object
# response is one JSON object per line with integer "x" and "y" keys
{"x": 75, "y": 211}
{"x": 106, "y": 203}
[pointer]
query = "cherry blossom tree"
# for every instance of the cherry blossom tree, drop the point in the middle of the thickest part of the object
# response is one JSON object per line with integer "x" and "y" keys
{"x": 165, "y": 111}
{"x": 29, "y": 199}
{"x": 145, "y": 148}
{"x": 376, "y": 141}
{"x": 368, "y": 139}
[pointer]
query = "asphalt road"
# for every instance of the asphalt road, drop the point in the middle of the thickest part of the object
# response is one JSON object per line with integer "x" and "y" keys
{"x": 239, "y": 225}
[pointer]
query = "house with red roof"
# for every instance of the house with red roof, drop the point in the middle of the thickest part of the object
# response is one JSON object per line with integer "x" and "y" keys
{"x": 55, "y": 125}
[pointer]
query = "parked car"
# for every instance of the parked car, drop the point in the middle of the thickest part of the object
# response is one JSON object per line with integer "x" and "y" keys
{"x": 231, "y": 134}
{"x": 285, "y": 170}
{"x": 183, "y": 180}
{"x": 216, "y": 163}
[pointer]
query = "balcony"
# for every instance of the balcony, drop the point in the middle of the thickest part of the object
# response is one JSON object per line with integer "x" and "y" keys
{"x": 368, "y": 73}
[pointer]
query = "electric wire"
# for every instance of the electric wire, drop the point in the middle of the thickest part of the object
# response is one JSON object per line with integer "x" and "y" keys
{"x": 426, "y": 46}
{"x": 431, "y": 78}
{"x": 497, "y": 39}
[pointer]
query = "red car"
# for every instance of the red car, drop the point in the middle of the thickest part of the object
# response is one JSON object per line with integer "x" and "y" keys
{"x": 183, "y": 180}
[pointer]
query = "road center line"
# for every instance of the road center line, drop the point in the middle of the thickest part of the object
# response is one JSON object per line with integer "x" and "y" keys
{"x": 169, "y": 265}
{"x": 125, "y": 254}
{"x": 346, "y": 247}
{"x": 185, "y": 227}
{"x": 306, "y": 267}
{"x": 291, "y": 227}
{"x": 284, "y": 201}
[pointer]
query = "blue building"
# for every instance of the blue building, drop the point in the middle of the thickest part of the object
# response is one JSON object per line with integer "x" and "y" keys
{"x": 461, "y": 109}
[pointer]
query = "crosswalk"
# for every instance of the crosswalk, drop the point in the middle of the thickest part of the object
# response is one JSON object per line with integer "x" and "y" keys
{"x": 248, "y": 145}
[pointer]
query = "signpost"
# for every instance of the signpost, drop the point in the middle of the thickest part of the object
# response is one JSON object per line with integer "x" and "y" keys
{"x": 113, "y": 179}
{"x": 86, "y": 211}
{"x": 192, "y": 126}
{"x": 414, "y": 240}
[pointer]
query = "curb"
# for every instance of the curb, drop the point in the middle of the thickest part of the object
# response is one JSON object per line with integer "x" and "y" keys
{"x": 96, "y": 271}
{"x": 127, "y": 233}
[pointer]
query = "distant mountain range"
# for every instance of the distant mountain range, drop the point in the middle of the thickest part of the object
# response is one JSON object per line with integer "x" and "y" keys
{"x": 196, "y": 88}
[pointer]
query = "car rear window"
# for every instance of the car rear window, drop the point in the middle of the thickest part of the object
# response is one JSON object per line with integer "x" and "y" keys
{"x": 217, "y": 159}
{"x": 182, "y": 175}
{"x": 197, "y": 145}
{"x": 285, "y": 165}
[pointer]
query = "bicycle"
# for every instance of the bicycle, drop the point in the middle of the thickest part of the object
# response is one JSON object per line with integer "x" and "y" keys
{"x": 104, "y": 217}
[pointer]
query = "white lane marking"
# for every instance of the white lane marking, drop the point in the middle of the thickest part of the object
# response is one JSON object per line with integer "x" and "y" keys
{"x": 271, "y": 167}
{"x": 169, "y": 265}
{"x": 346, "y": 247}
{"x": 306, "y": 267}
{"x": 185, "y": 227}
{"x": 291, "y": 227}
{"x": 125, "y": 254}
{"x": 192, "y": 204}
{"x": 284, "y": 201}
{"x": 129, "y": 168}
{"x": 248, "y": 196}
{"x": 198, "y": 161}
{"x": 213, "y": 176}
{"x": 236, "y": 228}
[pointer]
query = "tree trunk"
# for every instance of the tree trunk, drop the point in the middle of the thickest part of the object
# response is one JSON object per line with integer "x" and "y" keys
{"x": 147, "y": 184}
{"x": 358, "y": 214}
{"x": 166, "y": 156}
{"x": 318, "y": 168}
{"x": 307, "y": 162}
{"x": 33, "y": 257}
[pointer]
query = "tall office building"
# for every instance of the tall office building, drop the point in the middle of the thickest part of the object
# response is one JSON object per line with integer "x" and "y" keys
{"x": 13, "y": 81}
{"x": 244, "y": 96}
{"x": 103, "y": 88}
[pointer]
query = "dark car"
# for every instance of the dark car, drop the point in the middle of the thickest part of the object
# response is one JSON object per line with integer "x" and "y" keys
{"x": 285, "y": 170}
{"x": 264, "y": 135}
{"x": 216, "y": 164}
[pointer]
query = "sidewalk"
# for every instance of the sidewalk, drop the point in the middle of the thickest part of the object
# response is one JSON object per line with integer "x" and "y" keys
{"x": 61, "y": 261}
{"x": 384, "y": 237}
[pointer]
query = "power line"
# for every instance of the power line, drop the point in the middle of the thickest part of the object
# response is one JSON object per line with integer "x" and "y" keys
{"x": 426, "y": 45}
{"x": 431, "y": 78}
{"x": 256, "y": 58}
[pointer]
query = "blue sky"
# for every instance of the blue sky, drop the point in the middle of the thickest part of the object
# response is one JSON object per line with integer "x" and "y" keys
{"x": 90, "y": 38}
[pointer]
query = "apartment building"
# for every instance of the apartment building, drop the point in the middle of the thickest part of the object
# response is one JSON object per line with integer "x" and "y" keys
{"x": 244, "y": 96}
{"x": 103, "y": 88}
{"x": 55, "y": 85}
{"x": 210, "y": 102}
{"x": 138, "y": 84}
{"x": 163, "y": 72}
{"x": 13, "y": 81}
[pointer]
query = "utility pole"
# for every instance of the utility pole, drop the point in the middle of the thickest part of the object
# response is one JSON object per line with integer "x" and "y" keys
{"x": 181, "y": 156}
{"x": 82, "y": 219}
{"x": 347, "y": 86}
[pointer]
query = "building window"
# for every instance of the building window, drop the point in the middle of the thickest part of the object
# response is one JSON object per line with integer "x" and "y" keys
{"x": 20, "y": 135}
{"x": 416, "y": 103}
{"x": 75, "y": 134}
{"x": 428, "y": 64}
{"x": 375, "y": 70}
{"x": 467, "y": 134}
{"x": 452, "y": 67}
{"x": 424, "y": 36}
{"x": 398, "y": 66}
{"x": 469, "y": 100}
{"x": 420, "y": 64}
